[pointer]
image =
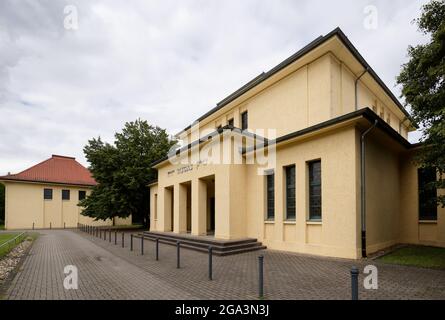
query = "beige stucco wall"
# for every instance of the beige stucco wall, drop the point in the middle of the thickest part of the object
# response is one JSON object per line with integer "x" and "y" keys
{"x": 382, "y": 194}
{"x": 240, "y": 204}
{"x": 24, "y": 205}
{"x": 411, "y": 229}
{"x": 336, "y": 234}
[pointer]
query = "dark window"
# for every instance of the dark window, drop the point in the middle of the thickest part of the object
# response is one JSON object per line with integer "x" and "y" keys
{"x": 48, "y": 194}
{"x": 427, "y": 194}
{"x": 230, "y": 122}
{"x": 290, "y": 193}
{"x": 65, "y": 194}
{"x": 315, "y": 190}
{"x": 244, "y": 121}
{"x": 82, "y": 195}
{"x": 270, "y": 195}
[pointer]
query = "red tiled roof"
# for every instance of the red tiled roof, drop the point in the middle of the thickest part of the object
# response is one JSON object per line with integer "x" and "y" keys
{"x": 57, "y": 169}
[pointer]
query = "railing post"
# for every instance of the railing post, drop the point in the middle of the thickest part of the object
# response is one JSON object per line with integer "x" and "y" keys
{"x": 109, "y": 236}
{"x": 157, "y": 249}
{"x": 210, "y": 263}
{"x": 354, "y": 282}
{"x": 50, "y": 226}
{"x": 131, "y": 242}
{"x": 115, "y": 237}
{"x": 178, "y": 254}
{"x": 142, "y": 245}
{"x": 261, "y": 277}
{"x": 123, "y": 239}
{"x": 33, "y": 226}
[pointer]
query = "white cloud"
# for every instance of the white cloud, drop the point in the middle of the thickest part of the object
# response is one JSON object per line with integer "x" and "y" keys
{"x": 165, "y": 61}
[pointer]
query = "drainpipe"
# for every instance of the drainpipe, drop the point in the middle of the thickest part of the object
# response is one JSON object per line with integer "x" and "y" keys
{"x": 356, "y": 87}
{"x": 363, "y": 186}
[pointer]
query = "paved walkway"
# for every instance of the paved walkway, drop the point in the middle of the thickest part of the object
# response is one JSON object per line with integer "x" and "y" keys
{"x": 108, "y": 271}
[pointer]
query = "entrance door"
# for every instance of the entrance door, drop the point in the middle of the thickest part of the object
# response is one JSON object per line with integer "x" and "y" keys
{"x": 212, "y": 214}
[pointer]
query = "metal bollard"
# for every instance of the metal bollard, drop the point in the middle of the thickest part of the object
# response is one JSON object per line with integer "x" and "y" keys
{"x": 157, "y": 249}
{"x": 115, "y": 237}
{"x": 142, "y": 245}
{"x": 261, "y": 276}
{"x": 210, "y": 263}
{"x": 50, "y": 225}
{"x": 131, "y": 242}
{"x": 100, "y": 234}
{"x": 123, "y": 239}
{"x": 178, "y": 255}
{"x": 109, "y": 236}
{"x": 354, "y": 282}
{"x": 33, "y": 226}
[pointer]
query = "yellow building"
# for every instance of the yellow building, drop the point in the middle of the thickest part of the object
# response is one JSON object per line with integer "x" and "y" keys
{"x": 321, "y": 163}
{"x": 47, "y": 196}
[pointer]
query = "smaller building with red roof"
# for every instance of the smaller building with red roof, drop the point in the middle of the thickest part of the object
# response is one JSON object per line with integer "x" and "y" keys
{"x": 47, "y": 195}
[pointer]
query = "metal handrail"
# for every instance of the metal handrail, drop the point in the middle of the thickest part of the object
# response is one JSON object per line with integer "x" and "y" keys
{"x": 13, "y": 239}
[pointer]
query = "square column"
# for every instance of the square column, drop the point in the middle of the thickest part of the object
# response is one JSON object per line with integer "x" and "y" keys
{"x": 199, "y": 207}
{"x": 165, "y": 209}
{"x": 180, "y": 209}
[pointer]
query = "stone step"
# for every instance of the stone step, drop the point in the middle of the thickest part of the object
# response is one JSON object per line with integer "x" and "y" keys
{"x": 220, "y": 247}
{"x": 204, "y": 240}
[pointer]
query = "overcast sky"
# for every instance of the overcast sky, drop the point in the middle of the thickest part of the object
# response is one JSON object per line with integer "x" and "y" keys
{"x": 164, "y": 61}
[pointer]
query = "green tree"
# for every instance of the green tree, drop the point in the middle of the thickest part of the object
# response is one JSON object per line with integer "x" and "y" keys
{"x": 423, "y": 81}
{"x": 122, "y": 171}
{"x": 2, "y": 203}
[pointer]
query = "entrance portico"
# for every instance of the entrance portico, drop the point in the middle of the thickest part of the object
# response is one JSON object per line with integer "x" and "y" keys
{"x": 198, "y": 201}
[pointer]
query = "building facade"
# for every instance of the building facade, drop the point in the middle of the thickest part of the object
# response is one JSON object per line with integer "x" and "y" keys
{"x": 47, "y": 195}
{"x": 319, "y": 163}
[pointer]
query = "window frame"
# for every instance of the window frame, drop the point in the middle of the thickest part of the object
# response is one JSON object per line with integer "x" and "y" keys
{"x": 270, "y": 216}
{"x": 155, "y": 207}
{"x": 45, "y": 195}
{"x": 286, "y": 193}
{"x": 311, "y": 184}
{"x": 84, "y": 193}
{"x": 245, "y": 126}
{"x": 63, "y": 195}
{"x": 422, "y": 202}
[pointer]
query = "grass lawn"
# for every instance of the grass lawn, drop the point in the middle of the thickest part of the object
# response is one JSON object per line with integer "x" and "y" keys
{"x": 4, "y": 238}
{"x": 417, "y": 256}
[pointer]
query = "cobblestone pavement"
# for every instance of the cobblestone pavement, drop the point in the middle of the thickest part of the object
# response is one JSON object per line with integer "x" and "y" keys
{"x": 102, "y": 275}
{"x": 108, "y": 271}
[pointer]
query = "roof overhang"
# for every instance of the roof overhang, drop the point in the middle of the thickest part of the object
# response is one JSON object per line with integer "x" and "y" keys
{"x": 207, "y": 139}
{"x": 5, "y": 179}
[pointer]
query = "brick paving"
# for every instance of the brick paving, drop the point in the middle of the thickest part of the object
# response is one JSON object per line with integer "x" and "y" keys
{"x": 108, "y": 271}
